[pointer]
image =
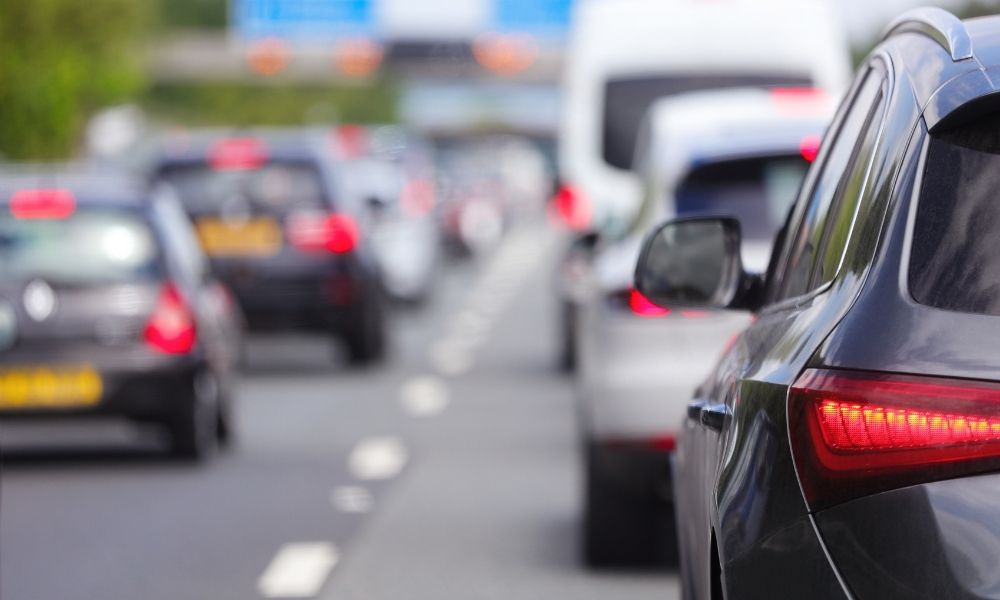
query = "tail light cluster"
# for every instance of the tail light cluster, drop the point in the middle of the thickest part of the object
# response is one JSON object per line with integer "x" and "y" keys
{"x": 857, "y": 433}
{"x": 171, "y": 328}
{"x": 570, "y": 207}
{"x": 335, "y": 233}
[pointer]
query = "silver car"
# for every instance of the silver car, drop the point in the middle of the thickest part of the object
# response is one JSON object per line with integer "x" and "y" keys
{"x": 741, "y": 153}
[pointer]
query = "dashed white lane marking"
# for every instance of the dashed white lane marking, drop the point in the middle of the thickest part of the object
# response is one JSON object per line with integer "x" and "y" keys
{"x": 377, "y": 458}
{"x": 298, "y": 570}
{"x": 352, "y": 499}
{"x": 424, "y": 396}
{"x": 450, "y": 358}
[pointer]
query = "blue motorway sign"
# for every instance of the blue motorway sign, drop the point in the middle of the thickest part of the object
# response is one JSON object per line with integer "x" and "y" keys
{"x": 302, "y": 19}
{"x": 323, "y": 20}
{"x": 532, "y": 16}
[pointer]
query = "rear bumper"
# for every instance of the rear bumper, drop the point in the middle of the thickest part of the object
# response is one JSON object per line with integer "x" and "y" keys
{"x": 156, "y": 394}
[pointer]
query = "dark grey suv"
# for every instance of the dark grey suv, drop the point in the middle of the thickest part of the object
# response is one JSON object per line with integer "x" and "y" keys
{"x": 847, "y": 444}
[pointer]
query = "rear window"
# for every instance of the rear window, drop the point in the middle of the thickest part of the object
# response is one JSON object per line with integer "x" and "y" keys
{"x": 93, "y": 245}
{"x": 272, "y": 189}
{"x": 955, "y": 253}
{"x": 757, "y": 191}
{"x": 626, "y": 101}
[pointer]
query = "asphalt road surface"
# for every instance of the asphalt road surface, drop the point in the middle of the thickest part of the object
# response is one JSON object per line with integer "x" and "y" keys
{"x": 449, "y": 472}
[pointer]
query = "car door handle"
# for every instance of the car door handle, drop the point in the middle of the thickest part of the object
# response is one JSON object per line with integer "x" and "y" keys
{"x": 694, "y": 411}
{"x": 714, "y": 416}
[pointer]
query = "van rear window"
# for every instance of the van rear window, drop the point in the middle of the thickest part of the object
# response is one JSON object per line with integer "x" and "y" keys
{"x": 955, "y": 253}
{"x": 626, "y": 101}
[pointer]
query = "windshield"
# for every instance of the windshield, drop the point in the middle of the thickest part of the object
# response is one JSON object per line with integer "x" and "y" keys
{"x": 757, "y": 191}
{"x": 626, "y": 101}
{"x": 273, "y": 189}
{"x": 105, "y": 246}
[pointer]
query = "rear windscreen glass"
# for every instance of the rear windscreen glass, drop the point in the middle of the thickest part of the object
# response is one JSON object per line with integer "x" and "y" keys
{"x": 91, "y": 246}
{"x": 955, "y": 253}
{"x": 757, "y": 191}
{"x": 273, "y": 189}
{"x": 627, "y": 99}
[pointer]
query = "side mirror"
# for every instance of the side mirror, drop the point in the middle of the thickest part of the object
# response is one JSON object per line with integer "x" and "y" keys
{"x": 696, "y": 263}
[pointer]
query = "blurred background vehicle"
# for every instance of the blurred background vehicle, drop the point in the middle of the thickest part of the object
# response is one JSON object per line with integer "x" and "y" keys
{"x": 394, "y": 177}
{"x": 469, "y": 143}
{"x": 856, "y": 414}
{"x": 108, "y": 309}
{"x": 740, "y": 152}
{"x": 622, "y": 57}
{"x": 291, "y": 244}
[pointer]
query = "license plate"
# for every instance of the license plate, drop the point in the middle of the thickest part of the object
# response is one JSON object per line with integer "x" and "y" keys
{"x": 254, "y": 237}
{"x": 43, "y": 387}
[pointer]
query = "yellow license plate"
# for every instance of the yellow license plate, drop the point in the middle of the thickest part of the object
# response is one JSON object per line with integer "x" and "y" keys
{"x": 254, "y": 237}
{"x": 43, "y": 387}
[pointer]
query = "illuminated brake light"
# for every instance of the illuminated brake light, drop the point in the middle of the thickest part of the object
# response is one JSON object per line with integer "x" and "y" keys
{"x": 171, "y": 328}
{"x": 809, "y": 147}
{"x": 643, "y": 307}
{"x": 860, "y": 433}
{"x": 237, "y": 154}
{"x": 570, "y": 207}
{"x": 42, "y": 204}
{"x": 336, "y": 233}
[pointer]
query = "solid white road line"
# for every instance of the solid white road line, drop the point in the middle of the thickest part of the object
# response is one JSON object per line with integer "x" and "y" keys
{"x": 424, "y": 396}
{"x": 298, "y": 570}
{"x": 352, "y": 499}
{"x": 377, "y": 458}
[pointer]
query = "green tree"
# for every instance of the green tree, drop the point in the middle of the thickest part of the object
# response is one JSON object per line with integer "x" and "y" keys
{"x": 60, "y": 60}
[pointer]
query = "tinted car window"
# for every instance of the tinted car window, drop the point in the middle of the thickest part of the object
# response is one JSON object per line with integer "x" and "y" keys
{"x": 274, "y": 189}
{"x": 955, "y": 253}
{"x": 627, "y": 99}
{"x": 805, "y": 246}
{"x": 757, "y": 191}
{"x": 94, "y": 245}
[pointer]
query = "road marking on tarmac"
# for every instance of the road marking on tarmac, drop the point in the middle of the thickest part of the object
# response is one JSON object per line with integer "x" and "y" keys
{"x": 377, "y": 458}
{"x": 352, "y": 499}
{"x": 298, "y": 570}
{"x": 509, "y": 267}
{"x": 424, "y": 396}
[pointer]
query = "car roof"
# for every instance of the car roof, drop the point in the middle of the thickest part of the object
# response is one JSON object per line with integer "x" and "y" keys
{"x": 88, "y": 186}
{"x": 712, "y": 126}
{"x": 194, "y": 145}
{"x": 947, "y": 63}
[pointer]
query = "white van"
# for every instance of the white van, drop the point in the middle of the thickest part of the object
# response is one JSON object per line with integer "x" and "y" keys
{"x": 625, "y": 54}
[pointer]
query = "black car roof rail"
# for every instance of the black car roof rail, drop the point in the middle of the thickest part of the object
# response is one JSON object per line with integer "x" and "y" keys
{"x": 938, "y": 24}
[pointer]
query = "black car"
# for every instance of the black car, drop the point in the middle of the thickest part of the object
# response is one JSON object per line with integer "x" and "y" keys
{"x": 847, "y": 445}
{"x": 107, "y": 308}
{"x": 294, "y": 249}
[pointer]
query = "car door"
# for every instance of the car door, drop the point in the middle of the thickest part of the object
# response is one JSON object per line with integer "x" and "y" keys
{"x": 738, "y": 473}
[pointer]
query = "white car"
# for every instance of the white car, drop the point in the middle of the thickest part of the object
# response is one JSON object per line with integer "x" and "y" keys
{"x": 626, "y": 54}
{"x": 736, "y": 152}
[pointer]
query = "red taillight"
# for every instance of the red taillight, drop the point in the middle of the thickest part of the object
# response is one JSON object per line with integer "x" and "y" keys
{"x": 643, "y": 307}
{"x": 571, "y": 207}
{"x": 809, "y": 147}
{"x": 237, "y": 154}
{"x": 42, "y": 204}
{"x": 855, "y": 434}
{"x": 336, "y": 233}
{"x": 171, "y": 328}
